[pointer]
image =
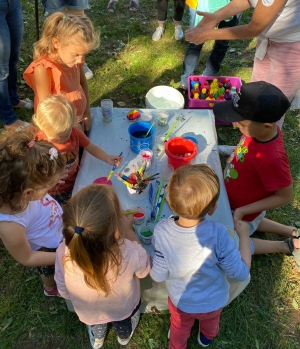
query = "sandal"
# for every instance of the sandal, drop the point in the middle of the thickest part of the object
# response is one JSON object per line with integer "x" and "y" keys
{"x": 111, "y": 7}
{"x": 25, "y": 104}
{"x": 294, "y": 251}
{"x": 133, "y": 6}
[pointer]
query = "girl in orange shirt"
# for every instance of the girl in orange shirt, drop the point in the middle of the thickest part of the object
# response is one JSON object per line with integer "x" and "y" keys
{"x": 58, "y": 62}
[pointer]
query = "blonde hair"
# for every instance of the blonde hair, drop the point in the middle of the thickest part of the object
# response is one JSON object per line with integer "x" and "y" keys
{"x": 26, "y": 164}
{"x": 193, "y": 190}
{"x": 69, "y": 30}
{"x": 55, "y": 115}
{"x": 95, "y": 211}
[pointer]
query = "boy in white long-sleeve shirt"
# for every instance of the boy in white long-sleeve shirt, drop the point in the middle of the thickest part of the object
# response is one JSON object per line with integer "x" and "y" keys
{"x": 194, "y": 255}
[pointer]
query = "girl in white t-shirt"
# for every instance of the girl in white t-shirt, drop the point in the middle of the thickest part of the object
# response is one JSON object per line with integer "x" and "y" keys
{"x": 30, "y": 220}
{"x": 99, "y": 263}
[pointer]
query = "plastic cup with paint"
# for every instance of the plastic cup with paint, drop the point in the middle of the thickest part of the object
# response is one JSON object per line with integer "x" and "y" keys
{"x": 107, "y": 109}
{"x": 146, "y": 233}
{"x": 162, "y": 118}
{"x": 103, "y": 180}
{"x": 139, "y": 216}
{"x": 160, "y": 143}
{"x": 145, "y": 156}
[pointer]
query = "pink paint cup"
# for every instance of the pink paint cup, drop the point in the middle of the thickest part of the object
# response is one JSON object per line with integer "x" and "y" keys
{"x": 102, "y": 180}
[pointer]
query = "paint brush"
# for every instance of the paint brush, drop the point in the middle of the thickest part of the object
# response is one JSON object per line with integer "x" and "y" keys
{"x": 131, "y": 212}
{"x": 146, "y": 135}
{"x": 112, "y": 170}
{"x": 171, "y": 129}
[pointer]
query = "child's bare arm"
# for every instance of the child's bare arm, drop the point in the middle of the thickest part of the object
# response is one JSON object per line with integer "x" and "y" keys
{"x": 100, "y": 154}
{"x": 87, "y": 121}
{"x": 42, "y": 82}
{"x": 15, "y": 241}
{"x": 280, "y": 198}
{"x": 242, "y": 230}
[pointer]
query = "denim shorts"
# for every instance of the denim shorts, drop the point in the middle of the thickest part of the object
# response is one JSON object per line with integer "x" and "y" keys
{"x": 58, "y": 5}
{"x": 254, "y": 224}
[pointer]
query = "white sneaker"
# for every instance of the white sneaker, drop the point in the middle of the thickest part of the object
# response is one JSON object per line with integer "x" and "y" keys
{"x": 226, "y": 150}
{"x": 158, "y": 33}
{"x": 178, "y": 33}
{"x": 87, "y": 71}
{"x": 134, "y": 322}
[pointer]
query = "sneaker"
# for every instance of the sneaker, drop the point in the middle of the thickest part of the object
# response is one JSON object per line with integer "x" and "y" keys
{"x": 202, "y": 340}
{"x": 87, "y": 71}
{"x": 158, "y": 33}
{"x": 226, "y": 150}
{"x": 178, "y": 33}
{"x": 134, "y": 322}
{"x": 182, "y": 89}
{"x": 95, "y": 342}
{"x": 51, "y": 293}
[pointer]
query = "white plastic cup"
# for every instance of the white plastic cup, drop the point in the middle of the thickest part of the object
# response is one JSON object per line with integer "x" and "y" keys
{"x": 160, "y": 143}
{"x": 107, "y": 109}
{"x": 166, "y": 172}
{"x": 138, "y": 217}
{"x": 145, "y": 156}
{"x": 145, "y": 233}
{"x": 147, "y": 117}
{"x": 162, "y": 118}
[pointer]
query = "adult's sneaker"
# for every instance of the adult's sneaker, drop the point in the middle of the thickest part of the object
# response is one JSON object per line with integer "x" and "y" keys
{"x": 87, "y": 72}
{"x": 226, "y": 150}
{"x": 178, "y": 32}
{"x": 158, "y": 33}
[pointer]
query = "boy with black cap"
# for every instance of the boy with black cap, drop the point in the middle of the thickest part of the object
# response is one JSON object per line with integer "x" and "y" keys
{"x": 257, "y": 174}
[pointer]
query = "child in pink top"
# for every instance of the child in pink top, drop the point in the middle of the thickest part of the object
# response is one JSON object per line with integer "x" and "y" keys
{"x": 99, "y": 263}
{"x": 58, "y": 62}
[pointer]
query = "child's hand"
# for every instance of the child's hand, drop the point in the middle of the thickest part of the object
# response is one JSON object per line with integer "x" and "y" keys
{"x": 241, "y": 227}
{"x": 86, "y": 122}
{"x": 238, "y": 214}
{"x": 114, "y": 160}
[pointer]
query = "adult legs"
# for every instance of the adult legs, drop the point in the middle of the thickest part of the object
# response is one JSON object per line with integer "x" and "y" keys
{"x": 190, "y": 62}
{"x": 11, "y": 34}
{"x": 280, "y": 67}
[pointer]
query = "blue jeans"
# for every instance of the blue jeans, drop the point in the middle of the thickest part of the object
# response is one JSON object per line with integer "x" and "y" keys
{"x": 215, "y": 58}
{"x": 11, "y": 35}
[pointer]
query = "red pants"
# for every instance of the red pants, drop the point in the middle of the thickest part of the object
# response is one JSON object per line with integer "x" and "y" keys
{"x": 181, "y": 324}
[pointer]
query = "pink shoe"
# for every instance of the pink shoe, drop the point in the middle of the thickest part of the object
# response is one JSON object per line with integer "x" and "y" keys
{"x": 51, "y": 293}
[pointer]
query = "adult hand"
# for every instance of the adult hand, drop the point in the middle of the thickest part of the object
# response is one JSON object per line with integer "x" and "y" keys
{"x": 198, "y": 34}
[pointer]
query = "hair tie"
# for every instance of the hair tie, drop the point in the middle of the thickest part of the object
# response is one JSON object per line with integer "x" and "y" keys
{"x": 31, "y": 143}
{"x": 78, "y": 230}
{"x": 53, "y": 153}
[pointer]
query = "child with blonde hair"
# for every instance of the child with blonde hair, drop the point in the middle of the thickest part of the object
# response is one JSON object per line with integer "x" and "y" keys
{"x": 55, "y": 118}
{"x": 99, "y": 263}
{"x": 58, "y": 62}
{"x": 194, "y": 255}
{"x": 30, "y": 220}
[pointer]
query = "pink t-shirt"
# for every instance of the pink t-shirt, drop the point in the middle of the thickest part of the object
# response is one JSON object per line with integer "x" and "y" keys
{"x": 91, "y": 306}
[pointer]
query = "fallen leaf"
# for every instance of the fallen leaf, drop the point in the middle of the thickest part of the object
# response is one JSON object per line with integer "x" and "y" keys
{"x": 295, "y": 304}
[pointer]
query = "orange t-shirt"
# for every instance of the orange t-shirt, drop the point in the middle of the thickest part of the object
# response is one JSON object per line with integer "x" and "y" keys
{"x": 70, "y": 150}
{"x": 64, "y": 80}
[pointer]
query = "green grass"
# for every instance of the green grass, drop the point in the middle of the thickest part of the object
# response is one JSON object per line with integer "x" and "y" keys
{"x": 126, "y": 66}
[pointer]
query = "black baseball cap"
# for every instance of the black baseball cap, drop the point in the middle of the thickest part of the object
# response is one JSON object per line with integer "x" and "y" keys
{"x": 256, "y": 101}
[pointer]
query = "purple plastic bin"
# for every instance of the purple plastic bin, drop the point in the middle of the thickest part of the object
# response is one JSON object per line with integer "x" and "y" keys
{"x": 204, "y": 104}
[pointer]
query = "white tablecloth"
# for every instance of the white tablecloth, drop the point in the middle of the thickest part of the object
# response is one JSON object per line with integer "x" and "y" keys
{"x": 113, "y": 137}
